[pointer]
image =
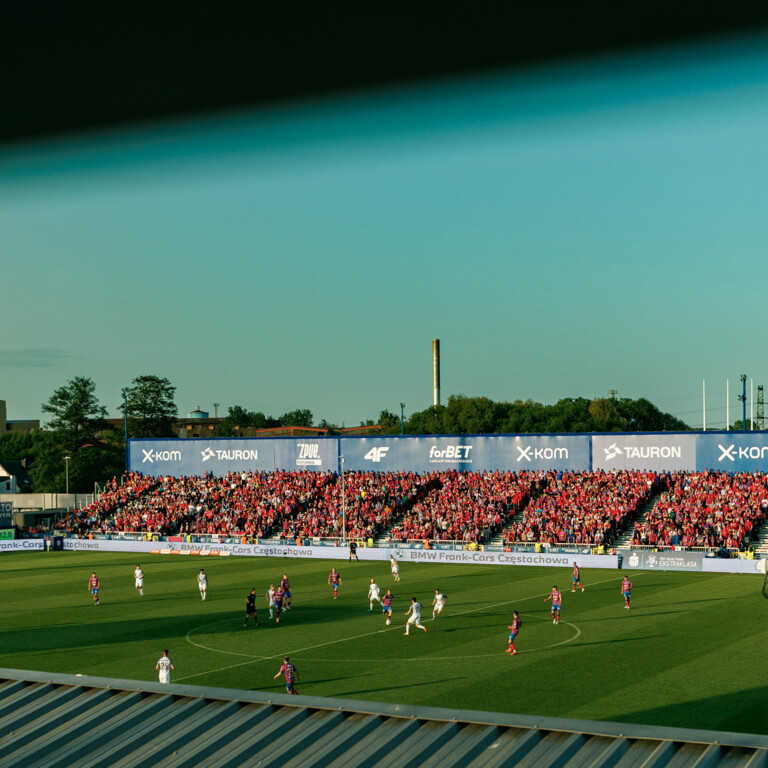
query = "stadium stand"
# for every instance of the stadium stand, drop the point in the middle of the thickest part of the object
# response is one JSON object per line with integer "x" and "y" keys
{"x": 526, "y": 508}
{"x": 583, "y": 507}
{"x": 710, "y": 509}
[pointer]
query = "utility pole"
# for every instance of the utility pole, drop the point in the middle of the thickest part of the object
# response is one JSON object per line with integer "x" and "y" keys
{"x": 402, "y": 418}
{"x": 216, "y": 410}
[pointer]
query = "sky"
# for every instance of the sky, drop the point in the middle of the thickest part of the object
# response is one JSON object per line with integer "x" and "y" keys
{"x": 564, "y": 230}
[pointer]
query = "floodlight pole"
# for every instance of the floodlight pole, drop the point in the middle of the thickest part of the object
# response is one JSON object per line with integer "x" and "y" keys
{"x": 743, "y": 398}
{"x": 343, "y": 505}
{"x": 402, "y": 418}
{"x": 125, "y": 427}
{"x": 66, "y": 474}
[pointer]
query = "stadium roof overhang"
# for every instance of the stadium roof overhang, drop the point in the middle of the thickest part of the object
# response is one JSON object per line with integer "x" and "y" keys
{"x": 64, "y": 720}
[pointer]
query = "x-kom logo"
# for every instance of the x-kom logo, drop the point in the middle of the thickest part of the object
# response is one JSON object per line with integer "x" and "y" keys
{"x": 525, "y": 453}
{"x": 726, "y": 452}
{"x": 149, "y": 456}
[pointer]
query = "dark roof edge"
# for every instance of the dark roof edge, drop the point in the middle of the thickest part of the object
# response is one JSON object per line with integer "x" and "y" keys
{"x": 566, "y": 725}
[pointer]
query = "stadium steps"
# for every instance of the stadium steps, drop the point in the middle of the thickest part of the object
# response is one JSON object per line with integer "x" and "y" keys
{"x": 761, "y": 545}
{"x": 624, "y": 539}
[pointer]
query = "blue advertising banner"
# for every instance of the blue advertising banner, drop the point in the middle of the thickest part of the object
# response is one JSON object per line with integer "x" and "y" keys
{"x": 415, "y": 454}
{"x": 468, "y": 453}
{"x": 559, "y": 452}
{"x": 732, "y": 451}
{"x": 301, "y": 453}
{"x": 658, "y": 451}
{"x": 221, "y": 455}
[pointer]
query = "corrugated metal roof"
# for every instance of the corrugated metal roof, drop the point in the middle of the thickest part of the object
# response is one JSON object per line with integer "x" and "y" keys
{"x": 62, "y": 720}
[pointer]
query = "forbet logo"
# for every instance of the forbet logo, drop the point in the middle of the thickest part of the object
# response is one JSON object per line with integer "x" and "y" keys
{"x": 377, "y": 453}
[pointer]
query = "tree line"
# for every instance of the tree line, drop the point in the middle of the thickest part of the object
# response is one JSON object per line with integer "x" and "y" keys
{"x": 95, "y": 449}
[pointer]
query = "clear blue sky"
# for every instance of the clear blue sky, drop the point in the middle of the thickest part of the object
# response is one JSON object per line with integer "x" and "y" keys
{"x": 563, "y": 231}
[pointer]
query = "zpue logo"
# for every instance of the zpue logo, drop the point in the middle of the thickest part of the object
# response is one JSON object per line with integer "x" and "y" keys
{"x": 153, "y": 456}
{"x": 207, "y": 453}
{"x": 377, "y": 453}
{"x": 612, "y": 451}
{"x": 309, "y": 455}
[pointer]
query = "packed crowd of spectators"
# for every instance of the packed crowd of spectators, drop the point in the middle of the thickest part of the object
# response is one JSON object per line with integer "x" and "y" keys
{"x": 466, "y": 506}
{"x": 706, "y": 509}
{"x": 711, "y": 509}
{"x": 582, "y": 507}
{"x": 289, "y": 505}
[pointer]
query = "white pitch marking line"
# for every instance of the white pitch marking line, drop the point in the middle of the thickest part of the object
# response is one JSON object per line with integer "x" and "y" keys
{"x": 357, "y": 637}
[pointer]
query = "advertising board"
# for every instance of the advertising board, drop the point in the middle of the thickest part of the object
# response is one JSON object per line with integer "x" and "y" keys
{"x": 21, "y": 545}
{"x": 6, "y": 514}
{"x": 477, "y": 453}
{"x": 661, "y": 561}
{"x": 732, "y": 451}
{"x": 342, "y": 553}
{"x": 656, "y": 452}
{"x": 218, "y": 456}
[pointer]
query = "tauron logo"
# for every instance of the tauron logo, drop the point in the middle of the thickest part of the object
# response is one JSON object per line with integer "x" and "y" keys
{"x": 377, "y": 453}
{"x": 153, "y": 456}
{"x": 309, "y": 455}
{"x": 207, "y": 453}
{"x": 612, "y": 451}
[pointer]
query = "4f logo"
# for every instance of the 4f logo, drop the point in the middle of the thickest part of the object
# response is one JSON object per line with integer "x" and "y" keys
{"x": 377, "y": 453}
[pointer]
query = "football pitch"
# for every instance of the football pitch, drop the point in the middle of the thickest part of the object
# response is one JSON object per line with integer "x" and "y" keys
{"x": 691, "y": 652}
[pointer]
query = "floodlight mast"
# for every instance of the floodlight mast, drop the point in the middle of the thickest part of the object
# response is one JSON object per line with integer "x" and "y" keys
{"x": 343, "y": 505}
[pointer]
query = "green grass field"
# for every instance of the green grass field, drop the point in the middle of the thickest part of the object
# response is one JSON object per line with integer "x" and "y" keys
{"x": 690, "y": 653}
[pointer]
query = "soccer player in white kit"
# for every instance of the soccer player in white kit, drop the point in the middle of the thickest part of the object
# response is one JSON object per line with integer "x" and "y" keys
{"x": 395, "y": 568}
{"x": 202, "y": 583}
{"x": 373, "y": 594}
{"x": 138, "y": 578}
{"x": 271, "y": 600}
{"x": 164, "y": 666}
{"x": 438, "y": 603}
{"x": 415, "y": 611}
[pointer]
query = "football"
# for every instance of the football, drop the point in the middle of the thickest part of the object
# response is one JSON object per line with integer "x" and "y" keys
{"x": 388, "y": 622}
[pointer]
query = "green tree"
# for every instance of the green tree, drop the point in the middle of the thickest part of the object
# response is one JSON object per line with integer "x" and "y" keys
{"x": 76, "y": 414}
{"x": 239, "y": 417}
{"x": 151, "y": 407}
{"x": 297, "y": 418}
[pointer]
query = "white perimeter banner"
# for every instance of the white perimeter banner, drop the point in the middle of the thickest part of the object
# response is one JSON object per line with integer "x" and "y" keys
{"x": 720, "y": 565}
{"x": 342, "y": 553}
{"x": 21, "y": 545}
